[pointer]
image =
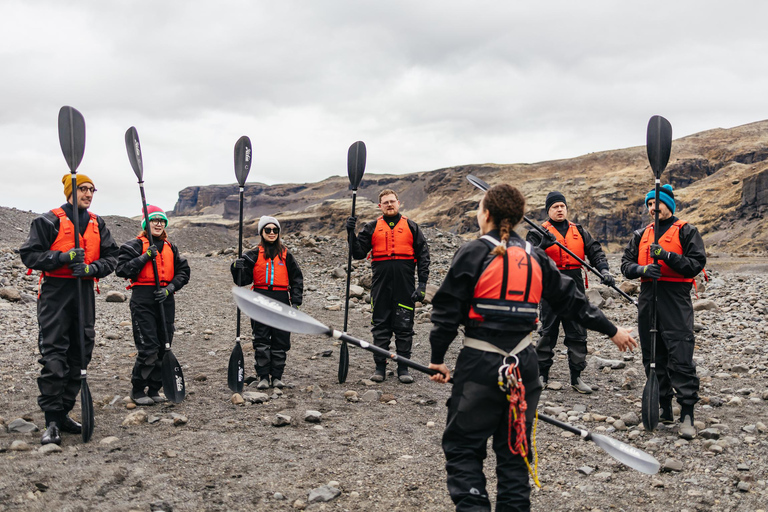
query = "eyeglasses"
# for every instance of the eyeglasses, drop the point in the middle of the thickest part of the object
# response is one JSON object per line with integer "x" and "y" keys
{"x": 84, "y": 189}
{"x": 157, "y": 221}
{"x": 271, "y": 230}
{"x": 387, "y": 203}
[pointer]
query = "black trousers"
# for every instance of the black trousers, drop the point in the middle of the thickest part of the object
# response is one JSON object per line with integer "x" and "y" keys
{"x": 478, "y": 410}
{"x": 270, "y": 346}
{"x": 149, "y": 336}
{"x": 675, "y": 368}
{"x": 575, "y": 334}
{"x": 59, "y": 341}
{"x": 392, "y": 309}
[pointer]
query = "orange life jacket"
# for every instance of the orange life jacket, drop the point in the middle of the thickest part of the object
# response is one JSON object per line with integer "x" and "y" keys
{"x": 392, "y": 243}
{"x": 670, "y": 241}
{"x": 509, "y": 288}
{"x": 572, "y": 240}
{"x": 165, "y": 267}
{"x": 270, "y": 274}
{"x": 65, "y": 240}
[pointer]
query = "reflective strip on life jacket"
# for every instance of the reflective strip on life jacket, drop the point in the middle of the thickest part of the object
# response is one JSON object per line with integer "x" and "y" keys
{"x": 509, "y": 288}
{"x": 670, "y": 241}
{"x": 165, "y": 266}
{"x": 392, "y": 243}
{"x": 572, "y": 240}
{"x": 271, "y": 274}
{"x": 65, "y": 240}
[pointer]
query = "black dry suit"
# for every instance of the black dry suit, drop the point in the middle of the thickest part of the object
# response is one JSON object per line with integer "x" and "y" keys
{"x": 57, "y": 309}
{"x": 269, "y": 344}
{"x": 477, "y": 408}
{"x": 393, "y": 284}
{"x": 148, "y": 333}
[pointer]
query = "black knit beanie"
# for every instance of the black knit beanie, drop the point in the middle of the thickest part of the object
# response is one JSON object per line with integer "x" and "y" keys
{"x": 554, "y": 197}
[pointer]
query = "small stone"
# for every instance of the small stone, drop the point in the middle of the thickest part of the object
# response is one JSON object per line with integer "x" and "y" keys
{"x": 179, "y": 419}
{"x": 710, "y": 433}
{"x": 281, "y": 420}
{"x": 20, "y": 426}
{"x": 130, "y": 405}
{"x": 312, "y": 416}
{"x": 619, "y": 425}
{"x": 299, "y": 505}
{"x": 742, "y": 467}
{"x": 630, "y": 419}
{"x": 323, "y": 494}
{"x": 761, "y": 427}
{"x": 255, "y": 397}
{"x": 237, "y": 398}
{"x": 749, "y": 429}
{"x": 135, "y": 418}
{"x": 736, "y": 401}
{"x": 115, "y": 296}
{"x": 716, "y": 448}
{"x": 740, "y": 368}
{"x": 430, "y": 424}
{"x": 745, "y": 391}
{"x": 277, "y": 495}
{"x": 372, "y": 395}
{"x": 705, "y": 305}
{"x": 599, "y": 417}
{"x": 604, "y": 476}
{"x": 10, "y": 293}
{"x": 386, "y": 397}
{"x": 201, "y": 378}
{"x": 672, "y": 465}
{"x": 153, "y": 419}
{"x": 743, "y": 486}
{"x": 109, "y": 440}
{"x": 50, "y": 448}
{"x": 585, "y": 470}
{"x": 554, "y": 385}
{"x": 657, "y": 483}
{"x": 20, "y": 446}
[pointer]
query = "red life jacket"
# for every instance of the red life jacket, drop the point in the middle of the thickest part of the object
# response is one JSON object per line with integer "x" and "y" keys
{"x": 65, "y": 240}
{"x": 392, "y": 243}
{"x": 572, "y": 240}
{"x": 670, "y": 241}
{"x": 509, "y": 288}
{"x": 270, "y": 274}
{"x": 165, "y": 267}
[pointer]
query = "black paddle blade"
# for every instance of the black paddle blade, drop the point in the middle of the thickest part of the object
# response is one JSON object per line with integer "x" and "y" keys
{"x": 650, "y": 407}
{"x": 343, "y": 362}
{"x": 276, "y": 314}
{"x": 478, "y": 182}
{"x": 356, "y": 163}
{"x": 72, "y": 136}
{"x": 236, "y": 369}
{"x": 659, "y": 144}
{"x": 86, "y": 411}
{"x": 173, "y": 378}
{"x": 242, "y": 159}
{"x": 133, "y": 147}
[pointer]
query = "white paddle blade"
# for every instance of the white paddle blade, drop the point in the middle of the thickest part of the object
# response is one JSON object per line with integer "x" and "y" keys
{"x": 276, "y": 314}
{"x": 627, "y": 454}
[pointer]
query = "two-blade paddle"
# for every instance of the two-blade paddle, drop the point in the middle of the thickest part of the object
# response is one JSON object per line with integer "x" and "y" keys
{"x": 281, "y": 316}
{"x": 72, "y": 141}
{"x": 236, "y": 368}
{"x": 355, "y": 169}
{"x": 172, "y": 376}
{"x": 659, "y": 146}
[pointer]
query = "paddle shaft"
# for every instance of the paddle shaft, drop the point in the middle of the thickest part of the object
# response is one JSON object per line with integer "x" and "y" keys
{"x": 349, "y": 267}
{"x": 240, "y": 255}
{"x": 654, "y": 285}
{"x": 586, "y": 265}
{"x": 148, "y": 231}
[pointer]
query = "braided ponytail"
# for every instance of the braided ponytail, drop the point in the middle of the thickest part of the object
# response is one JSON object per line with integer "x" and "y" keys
{"x": 506, "y": 206}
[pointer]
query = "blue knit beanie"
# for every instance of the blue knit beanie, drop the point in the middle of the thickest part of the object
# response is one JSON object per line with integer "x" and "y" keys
{"x": 666, "y": 196}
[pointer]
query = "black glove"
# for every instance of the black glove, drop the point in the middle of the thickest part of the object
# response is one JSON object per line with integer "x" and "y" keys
{"x": 547, "y": 240}
{"x": 607, "y": 278}
{"x": 239, "y": 263}
{"x": 164, "y": 292}
{"x": 351, "y": 223}
{"x": 72, "y": 256}
{"x": 84, "y": 270}
{"x": 420, "y": 292}
{"x": 652, "y": 271}
{"x": 659, "y": 252}
{"x": 152, "y": 252}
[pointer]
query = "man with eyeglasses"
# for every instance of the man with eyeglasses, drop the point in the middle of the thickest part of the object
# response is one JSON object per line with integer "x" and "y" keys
{"x": 50, "y": 248}
{"x": 398, "y": 250}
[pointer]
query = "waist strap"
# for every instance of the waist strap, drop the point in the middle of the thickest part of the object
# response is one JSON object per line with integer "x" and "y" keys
{"x": 490, "y": 347}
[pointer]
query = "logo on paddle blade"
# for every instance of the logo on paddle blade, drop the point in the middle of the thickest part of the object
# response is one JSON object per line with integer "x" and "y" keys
{"x": 179, "y": 383}
{"x": 271, "y": 304}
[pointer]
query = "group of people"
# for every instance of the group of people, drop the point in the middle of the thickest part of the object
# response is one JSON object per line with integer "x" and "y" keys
{"x": 497, "y": 288}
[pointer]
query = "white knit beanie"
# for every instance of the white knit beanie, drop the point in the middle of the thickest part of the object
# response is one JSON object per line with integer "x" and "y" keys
{"x": 266, "y": 219}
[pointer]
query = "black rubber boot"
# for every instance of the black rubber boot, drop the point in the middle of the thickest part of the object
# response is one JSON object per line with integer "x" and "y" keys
{"x": 579, "y": 385}
{"x": 687, "y": 430}
{"x": 139, "y": 397}
{"x": 156, "y": 397}
{"x": 665, "y": 412}
{"x": 70, "y": 426}
{"x": 543, "y": 377}
{"x": 403, "y": 375}
{"x": 51, "y": 434}
{"x": 380, "y": 374}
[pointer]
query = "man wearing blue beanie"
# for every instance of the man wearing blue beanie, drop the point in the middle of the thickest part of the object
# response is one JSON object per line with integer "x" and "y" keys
{"x": 673, "y": 262}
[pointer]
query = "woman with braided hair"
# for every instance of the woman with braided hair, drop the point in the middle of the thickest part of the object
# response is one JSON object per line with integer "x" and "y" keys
{"x": 493, "y": 288}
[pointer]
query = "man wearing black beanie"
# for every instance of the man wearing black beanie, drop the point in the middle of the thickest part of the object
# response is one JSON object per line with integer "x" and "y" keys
{"x": 580, "y": 242}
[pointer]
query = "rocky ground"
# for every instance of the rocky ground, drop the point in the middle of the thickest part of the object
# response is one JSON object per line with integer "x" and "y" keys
{"x": 372, "y": 447}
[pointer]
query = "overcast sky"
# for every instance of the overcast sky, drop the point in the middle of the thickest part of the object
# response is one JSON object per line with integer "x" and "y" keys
{"x": 425, "y": 84}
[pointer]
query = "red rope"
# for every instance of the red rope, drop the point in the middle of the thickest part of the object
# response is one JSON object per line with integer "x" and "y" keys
{"x": 517, "y": 408}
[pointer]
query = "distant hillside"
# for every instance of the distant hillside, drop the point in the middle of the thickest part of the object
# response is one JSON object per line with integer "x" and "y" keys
{"x": 720, "y": 178}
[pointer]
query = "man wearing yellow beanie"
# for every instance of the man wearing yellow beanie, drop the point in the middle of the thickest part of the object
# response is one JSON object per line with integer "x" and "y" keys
{"x": 50, "y": 248}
